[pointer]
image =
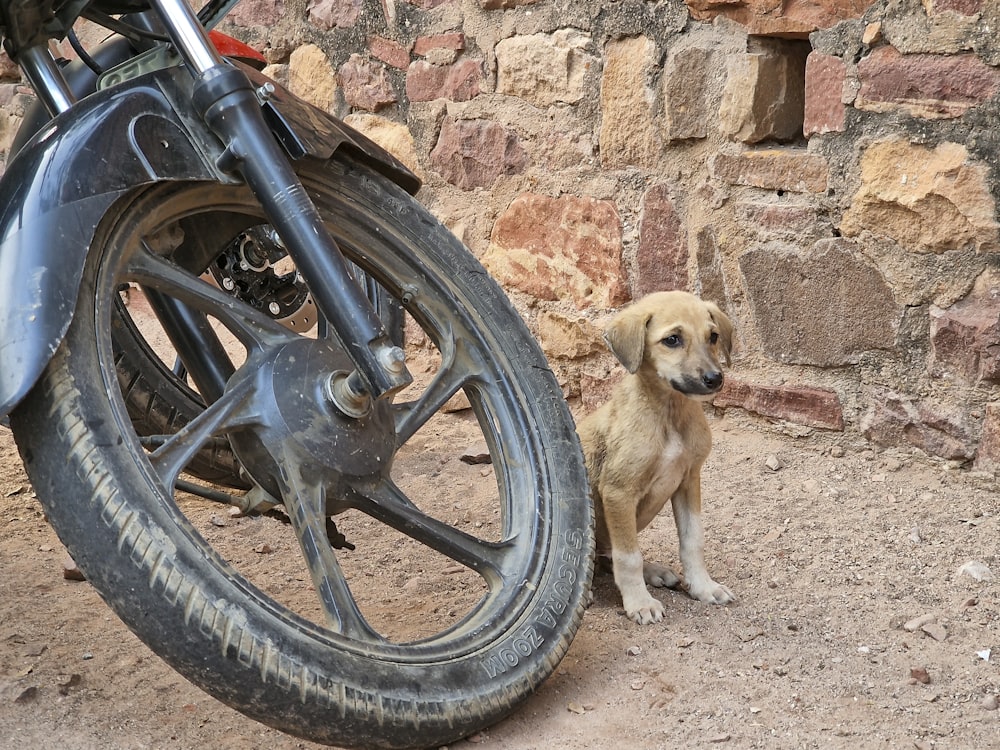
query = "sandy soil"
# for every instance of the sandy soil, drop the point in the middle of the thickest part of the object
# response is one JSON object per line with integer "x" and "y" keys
{"x": 869, "y": 616}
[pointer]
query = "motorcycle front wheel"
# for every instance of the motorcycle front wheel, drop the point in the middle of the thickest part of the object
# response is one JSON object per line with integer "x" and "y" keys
{"x": 313, "y": 635}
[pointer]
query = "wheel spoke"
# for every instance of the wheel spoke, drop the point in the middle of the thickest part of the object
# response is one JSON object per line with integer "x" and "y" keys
{"x": 253, "y": 328}
{"x": 384, "y": 501}
{"x": 305, "y": 504}
{"x": 170, "y": 459}
{"x": 457, "y": 368}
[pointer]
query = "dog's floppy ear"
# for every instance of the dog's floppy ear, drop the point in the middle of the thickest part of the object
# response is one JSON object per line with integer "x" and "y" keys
{"x": 626, "y": 337}
{"x": 725, "y": 329}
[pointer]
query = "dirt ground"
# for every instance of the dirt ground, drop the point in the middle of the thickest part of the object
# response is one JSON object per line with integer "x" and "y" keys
{"x": 868, "y": 616}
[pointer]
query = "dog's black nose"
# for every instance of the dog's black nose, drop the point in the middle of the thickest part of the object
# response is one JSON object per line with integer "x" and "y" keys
{"x": 712, "y": 380}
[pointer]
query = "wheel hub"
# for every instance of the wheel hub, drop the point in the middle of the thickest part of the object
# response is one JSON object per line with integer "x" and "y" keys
{"x": 304, "y": 418}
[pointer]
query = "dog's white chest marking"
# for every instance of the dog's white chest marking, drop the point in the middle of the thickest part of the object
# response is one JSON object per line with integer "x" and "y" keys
{"x": 666, "y": 477}
{"x": 669, "y": 468}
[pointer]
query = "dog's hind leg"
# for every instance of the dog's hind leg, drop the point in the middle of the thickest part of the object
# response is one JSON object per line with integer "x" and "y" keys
{"x": 686, "y": 503}
{"x": 660, "y": 576}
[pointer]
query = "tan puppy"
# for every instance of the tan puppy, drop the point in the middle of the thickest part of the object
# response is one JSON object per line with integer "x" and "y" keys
{"x": 647, "y": 444}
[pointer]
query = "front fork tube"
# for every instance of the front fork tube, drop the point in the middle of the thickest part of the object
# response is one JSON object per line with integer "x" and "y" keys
{"x": 231, "y": 108}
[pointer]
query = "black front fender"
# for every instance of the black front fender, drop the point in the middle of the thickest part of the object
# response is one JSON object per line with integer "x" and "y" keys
{"x": 59, "y": 187}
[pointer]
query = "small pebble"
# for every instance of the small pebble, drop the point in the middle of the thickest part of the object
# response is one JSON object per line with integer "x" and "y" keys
{"x": 919, "y": 674}
{"x": 990, "y": 702}
{"x": 935, "y": 631}
{"x": 976, "y": 570}
{"x": 916, "y": 623}
{"x": 70, "y": 570}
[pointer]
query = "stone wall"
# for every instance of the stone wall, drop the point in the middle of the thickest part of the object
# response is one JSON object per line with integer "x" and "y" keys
{"x": 826, "y": 170}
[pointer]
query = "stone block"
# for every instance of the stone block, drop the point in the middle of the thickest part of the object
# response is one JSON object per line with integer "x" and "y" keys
{"x": 926, "y": 199}
{"x": 596, "y": 387}
{"x": 459, "y": 82}
{"x": 628, "y": 132}
{"x": 710, "y": 283}
{"x": 390, "y": 52}
{"x": 937, "y": 32}
{"x": 310, "y": 77}
{"x": 560, "y": 248}
{"x": 454, "y": 41}
{"x": 764, "y": 96}
{"x": 988, "y": 451}
{"x": 473, "y": 153}
{"x": 823, "y": 306}
{"x": 805, "y": 405}
{"x": 924, "y": 85}
{"x": 544, "y": 69}
{"x": 365, "y": 84}
{"x": 791, "y": 18}
{"x": 334, "y": 14}
{"x": 893, "y": 419}
{"x": 392, "y": 136}
{"x": 661, "y": 260}
{"x": 685, "y": 94}
{"x": 786, "y": 169}
{"x": 965, "y": 338}
{"x": 778, "y": 221}
{"x": 565, "y": 337}
{"x": 257, "y": 13}
{"x": 824, "y": 93}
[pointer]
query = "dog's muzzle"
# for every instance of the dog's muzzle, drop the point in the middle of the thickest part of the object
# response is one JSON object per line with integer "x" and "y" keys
{"x": 707, "y": 385}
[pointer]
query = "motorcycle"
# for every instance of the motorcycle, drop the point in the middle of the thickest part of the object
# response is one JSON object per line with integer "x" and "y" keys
{"x": 280, "y": 253}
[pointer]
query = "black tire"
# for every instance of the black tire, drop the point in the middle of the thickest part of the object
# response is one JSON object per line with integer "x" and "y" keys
{"x": 136, "y": 538}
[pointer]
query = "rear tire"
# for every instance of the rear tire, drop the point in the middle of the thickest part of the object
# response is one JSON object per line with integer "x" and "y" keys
{"x": 339, "y": 679}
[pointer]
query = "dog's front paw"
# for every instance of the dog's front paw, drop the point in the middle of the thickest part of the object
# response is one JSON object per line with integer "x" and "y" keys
{"x": 644, "y": 610}
{"x": 712, "y": 593}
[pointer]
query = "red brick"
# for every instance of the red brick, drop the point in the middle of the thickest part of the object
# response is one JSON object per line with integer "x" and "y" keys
{"x": 965, "y": 340}
{"x": 473, "y": 153}
{"x": 814, "y": 407}
{"x": 459, "y": 82}
{"x": 661, "y": 261}
{"x": 257, "y": 13}
{"x": 390, "y": 52}
{"x": 453, "y": 41}
{"x": 365, "y": 84}
{"x": 777, "y": 18}
{"x": 932, "y": 86}
{"x": 824, "y": 112}
{"x": 330, "y": 14}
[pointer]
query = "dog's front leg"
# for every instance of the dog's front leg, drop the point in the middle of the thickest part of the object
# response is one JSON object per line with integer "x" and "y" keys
{"x": 686, "y": 502}
{"x": 626, "y": 560}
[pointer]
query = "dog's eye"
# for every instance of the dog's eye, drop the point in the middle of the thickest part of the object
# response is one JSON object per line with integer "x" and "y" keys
{"x": 713, "y": 338}
{"x": 673, "y": 341}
